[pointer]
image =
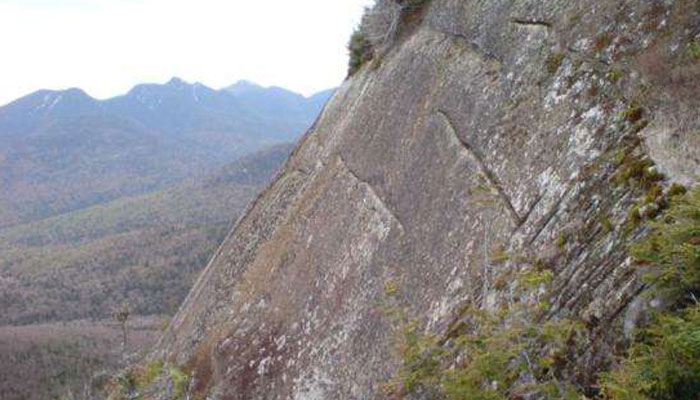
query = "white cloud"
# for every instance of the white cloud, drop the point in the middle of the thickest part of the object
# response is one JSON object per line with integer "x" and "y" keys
{"x": 106, "y": 46}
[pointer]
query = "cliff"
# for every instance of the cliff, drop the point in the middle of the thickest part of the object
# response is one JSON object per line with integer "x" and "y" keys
{"x": 492, "y": 138}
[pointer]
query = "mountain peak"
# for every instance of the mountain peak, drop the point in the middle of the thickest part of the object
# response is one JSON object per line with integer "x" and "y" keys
{"x": 45, "y": 100}
{"x": 177, "y": 82}
{"x": 76, "y": 93}
{"x": 244, "y": 86}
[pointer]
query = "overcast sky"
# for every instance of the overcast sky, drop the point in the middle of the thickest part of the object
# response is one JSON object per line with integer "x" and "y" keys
{"x": 107, "y": 46}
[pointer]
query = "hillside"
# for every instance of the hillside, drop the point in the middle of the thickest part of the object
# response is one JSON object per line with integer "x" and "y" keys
{"x": 470, "y": 218}
{"x": 143, "y": 250}
{"x": 64, "y": 151}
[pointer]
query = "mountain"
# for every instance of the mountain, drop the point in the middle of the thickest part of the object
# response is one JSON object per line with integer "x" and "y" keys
{"x": 470, "y": 218}
{"x": 143, "y": 250}
{"x": 64, "y": 151}
{"x": 278, "y": 101}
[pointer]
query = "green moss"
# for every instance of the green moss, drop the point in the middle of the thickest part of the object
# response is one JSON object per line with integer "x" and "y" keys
{"x": 677, "y": 190}
{"x": 620, "y": 156}
{"x": 135, "y": 382}
{"x": 635, "y": 168}
{"x": 562, "y": 240}
{"x": 180, "y": 381}
{"x": 148, "y": 374}
{"x": 638, "y": 170}
{"x": 553, "y": 62}
{"x": 651, "y": 211}
{"x": 534, "y": 278}
{"x": 122, "y": 385}
{"x": 605, "y": 223}
{"x": 500, "y": 256}
{"x": 633, "y": 113}
{"x": 639, "y": 125}
{"x": 654, "y": 193}
{"x": 692, "y": 51}
{"x": 391, "y": 288}
{"x": 615, "y": 75}
{"x": 634, "y": 217}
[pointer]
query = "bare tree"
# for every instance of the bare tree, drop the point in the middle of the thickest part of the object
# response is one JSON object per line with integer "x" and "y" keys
{"x": 122, "y": 317}
{"x": 381, "y": 22}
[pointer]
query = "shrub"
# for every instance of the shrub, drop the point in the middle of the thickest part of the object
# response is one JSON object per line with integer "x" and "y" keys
{"x": 489, "y": 357}
{"x": 492, "y": 355}
{"x": 672, "y": 250}
{"x": 360, "y": 51}
{"x": 664, "y": 361}
{"x": 664, "y": 364}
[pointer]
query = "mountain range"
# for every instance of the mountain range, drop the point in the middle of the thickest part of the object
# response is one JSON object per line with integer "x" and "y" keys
{"x": 64, "y": 150}
{"x": 121, "y": 202}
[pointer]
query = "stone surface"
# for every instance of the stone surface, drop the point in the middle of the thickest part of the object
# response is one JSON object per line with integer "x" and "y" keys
{"x": 493, "y": 126}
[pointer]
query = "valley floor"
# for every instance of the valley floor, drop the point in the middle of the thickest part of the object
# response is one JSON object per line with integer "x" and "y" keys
{"x": 69, "y": 359}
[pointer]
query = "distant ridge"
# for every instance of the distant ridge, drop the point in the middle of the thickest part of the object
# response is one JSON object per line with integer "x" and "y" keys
{"x": 65, "y": 150}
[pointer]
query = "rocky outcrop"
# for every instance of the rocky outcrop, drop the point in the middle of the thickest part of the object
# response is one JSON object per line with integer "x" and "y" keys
{"x": 494, "y": 127}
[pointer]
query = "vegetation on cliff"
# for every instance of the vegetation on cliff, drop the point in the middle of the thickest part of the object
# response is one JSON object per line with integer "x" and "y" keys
{"x": 381, "y": 25}
{"x": 509, "y": 353}
{"x": 514, "y": 352}
{"x": 664, "y": 360}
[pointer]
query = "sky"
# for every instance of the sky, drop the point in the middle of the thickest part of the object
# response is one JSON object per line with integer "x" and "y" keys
{"x": 107, "y": 46}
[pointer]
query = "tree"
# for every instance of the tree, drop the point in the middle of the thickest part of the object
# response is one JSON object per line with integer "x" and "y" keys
{"x": 122, "y": 316}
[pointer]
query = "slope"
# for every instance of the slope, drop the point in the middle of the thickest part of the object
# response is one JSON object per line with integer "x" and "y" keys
{"x": 143, "y": 250}
{"x": 490, "y": 164}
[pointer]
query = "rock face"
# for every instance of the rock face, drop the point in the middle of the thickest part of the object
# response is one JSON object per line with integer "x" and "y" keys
{"x": 492, "y": 126}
